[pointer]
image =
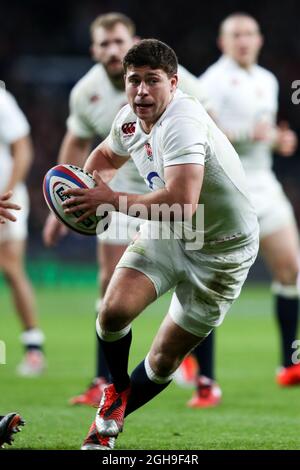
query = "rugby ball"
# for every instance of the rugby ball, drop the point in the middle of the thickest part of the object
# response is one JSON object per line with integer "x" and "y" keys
{"x": 56, "y": 181}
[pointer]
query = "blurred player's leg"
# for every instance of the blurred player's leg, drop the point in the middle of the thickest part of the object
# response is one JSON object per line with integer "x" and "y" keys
{"x": 198, "y": 369}
{"x": 186, "y": 374}
{"x": 205, "y": 355}
{"x": 201, "y": 361}
{"x": 208, "y": 393}
{"x": 108, "y": 256}
{"x": 12, "y": 263}
{"x": 281, "y": 251}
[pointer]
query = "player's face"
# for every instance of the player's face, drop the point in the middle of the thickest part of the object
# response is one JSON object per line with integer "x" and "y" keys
{"x": 241, "y": 40}
{"x": 149, "y": 91}
{"x": 110, "y": 46}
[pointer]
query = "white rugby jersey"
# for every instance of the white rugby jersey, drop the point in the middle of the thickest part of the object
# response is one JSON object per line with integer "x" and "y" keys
{"x": 186, "y": 134}
{"x": 94, "y": 103}
{"x": 13, "y": 126}
{"x": 239, "y": 99}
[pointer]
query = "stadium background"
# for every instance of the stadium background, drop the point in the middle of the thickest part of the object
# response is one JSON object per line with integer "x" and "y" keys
{"x": 44, "y": 50}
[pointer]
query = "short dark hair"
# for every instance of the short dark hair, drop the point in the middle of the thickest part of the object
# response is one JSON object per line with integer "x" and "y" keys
{"x": 154, "y": 53}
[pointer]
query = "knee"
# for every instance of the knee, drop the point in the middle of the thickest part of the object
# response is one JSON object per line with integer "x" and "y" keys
{"x": 287, "y": 272}
{"x": 10, "y": 272}
{"x": 162, "y": 363}
{"x": 113, "y": 316}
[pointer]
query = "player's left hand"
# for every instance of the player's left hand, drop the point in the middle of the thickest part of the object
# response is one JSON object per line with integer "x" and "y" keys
{"x": 286, "y": 140}
{"x": 88, "y": 200}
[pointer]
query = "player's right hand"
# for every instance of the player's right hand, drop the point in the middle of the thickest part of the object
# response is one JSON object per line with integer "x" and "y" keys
{"x": 4, "y": 205}
{"x": 53, "y": 230}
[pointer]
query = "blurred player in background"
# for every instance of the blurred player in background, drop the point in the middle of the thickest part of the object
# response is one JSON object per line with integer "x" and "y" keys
{"x": 244, "y": 100}
{"x": 95, "y": 100}
{"x": 15, "y": 161}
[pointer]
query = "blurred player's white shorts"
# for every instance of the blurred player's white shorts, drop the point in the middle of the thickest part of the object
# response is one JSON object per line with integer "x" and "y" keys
{"x": 205, "y": 284}
{"x": 11, "y": 231}
{"x": 273, "y": 209}
{"x": 122, "y": 229}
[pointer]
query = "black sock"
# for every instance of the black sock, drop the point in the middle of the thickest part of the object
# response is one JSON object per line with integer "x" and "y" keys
{"x": 102, "y": 369}
{"x": 33, "y": 347}
{"x": 205, "y": 356}
{"x": 142, "y": 389}
{"x": 116, "y": 354}
{"x": 286, "y": 310}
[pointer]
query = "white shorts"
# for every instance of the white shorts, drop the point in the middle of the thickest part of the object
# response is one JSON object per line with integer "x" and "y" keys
{"x": 205, "y": 284}
{"x": 274, "y": 211}
{"x": 17, "y": 230}
{"x": 122, "y": 230}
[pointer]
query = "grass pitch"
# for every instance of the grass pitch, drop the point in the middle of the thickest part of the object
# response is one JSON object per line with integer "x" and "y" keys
{"x": 255, "y": 413}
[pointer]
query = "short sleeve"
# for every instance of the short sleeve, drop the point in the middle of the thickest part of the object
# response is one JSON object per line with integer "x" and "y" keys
{"x": 114, "y": 138}
{"x": 184, "y": 142}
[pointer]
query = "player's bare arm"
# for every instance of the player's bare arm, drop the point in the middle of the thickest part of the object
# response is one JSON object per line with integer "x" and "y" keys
{"x": 183, "y": 186}
{"x": 74, "y": 150}
{"x": 104, "y": 161}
